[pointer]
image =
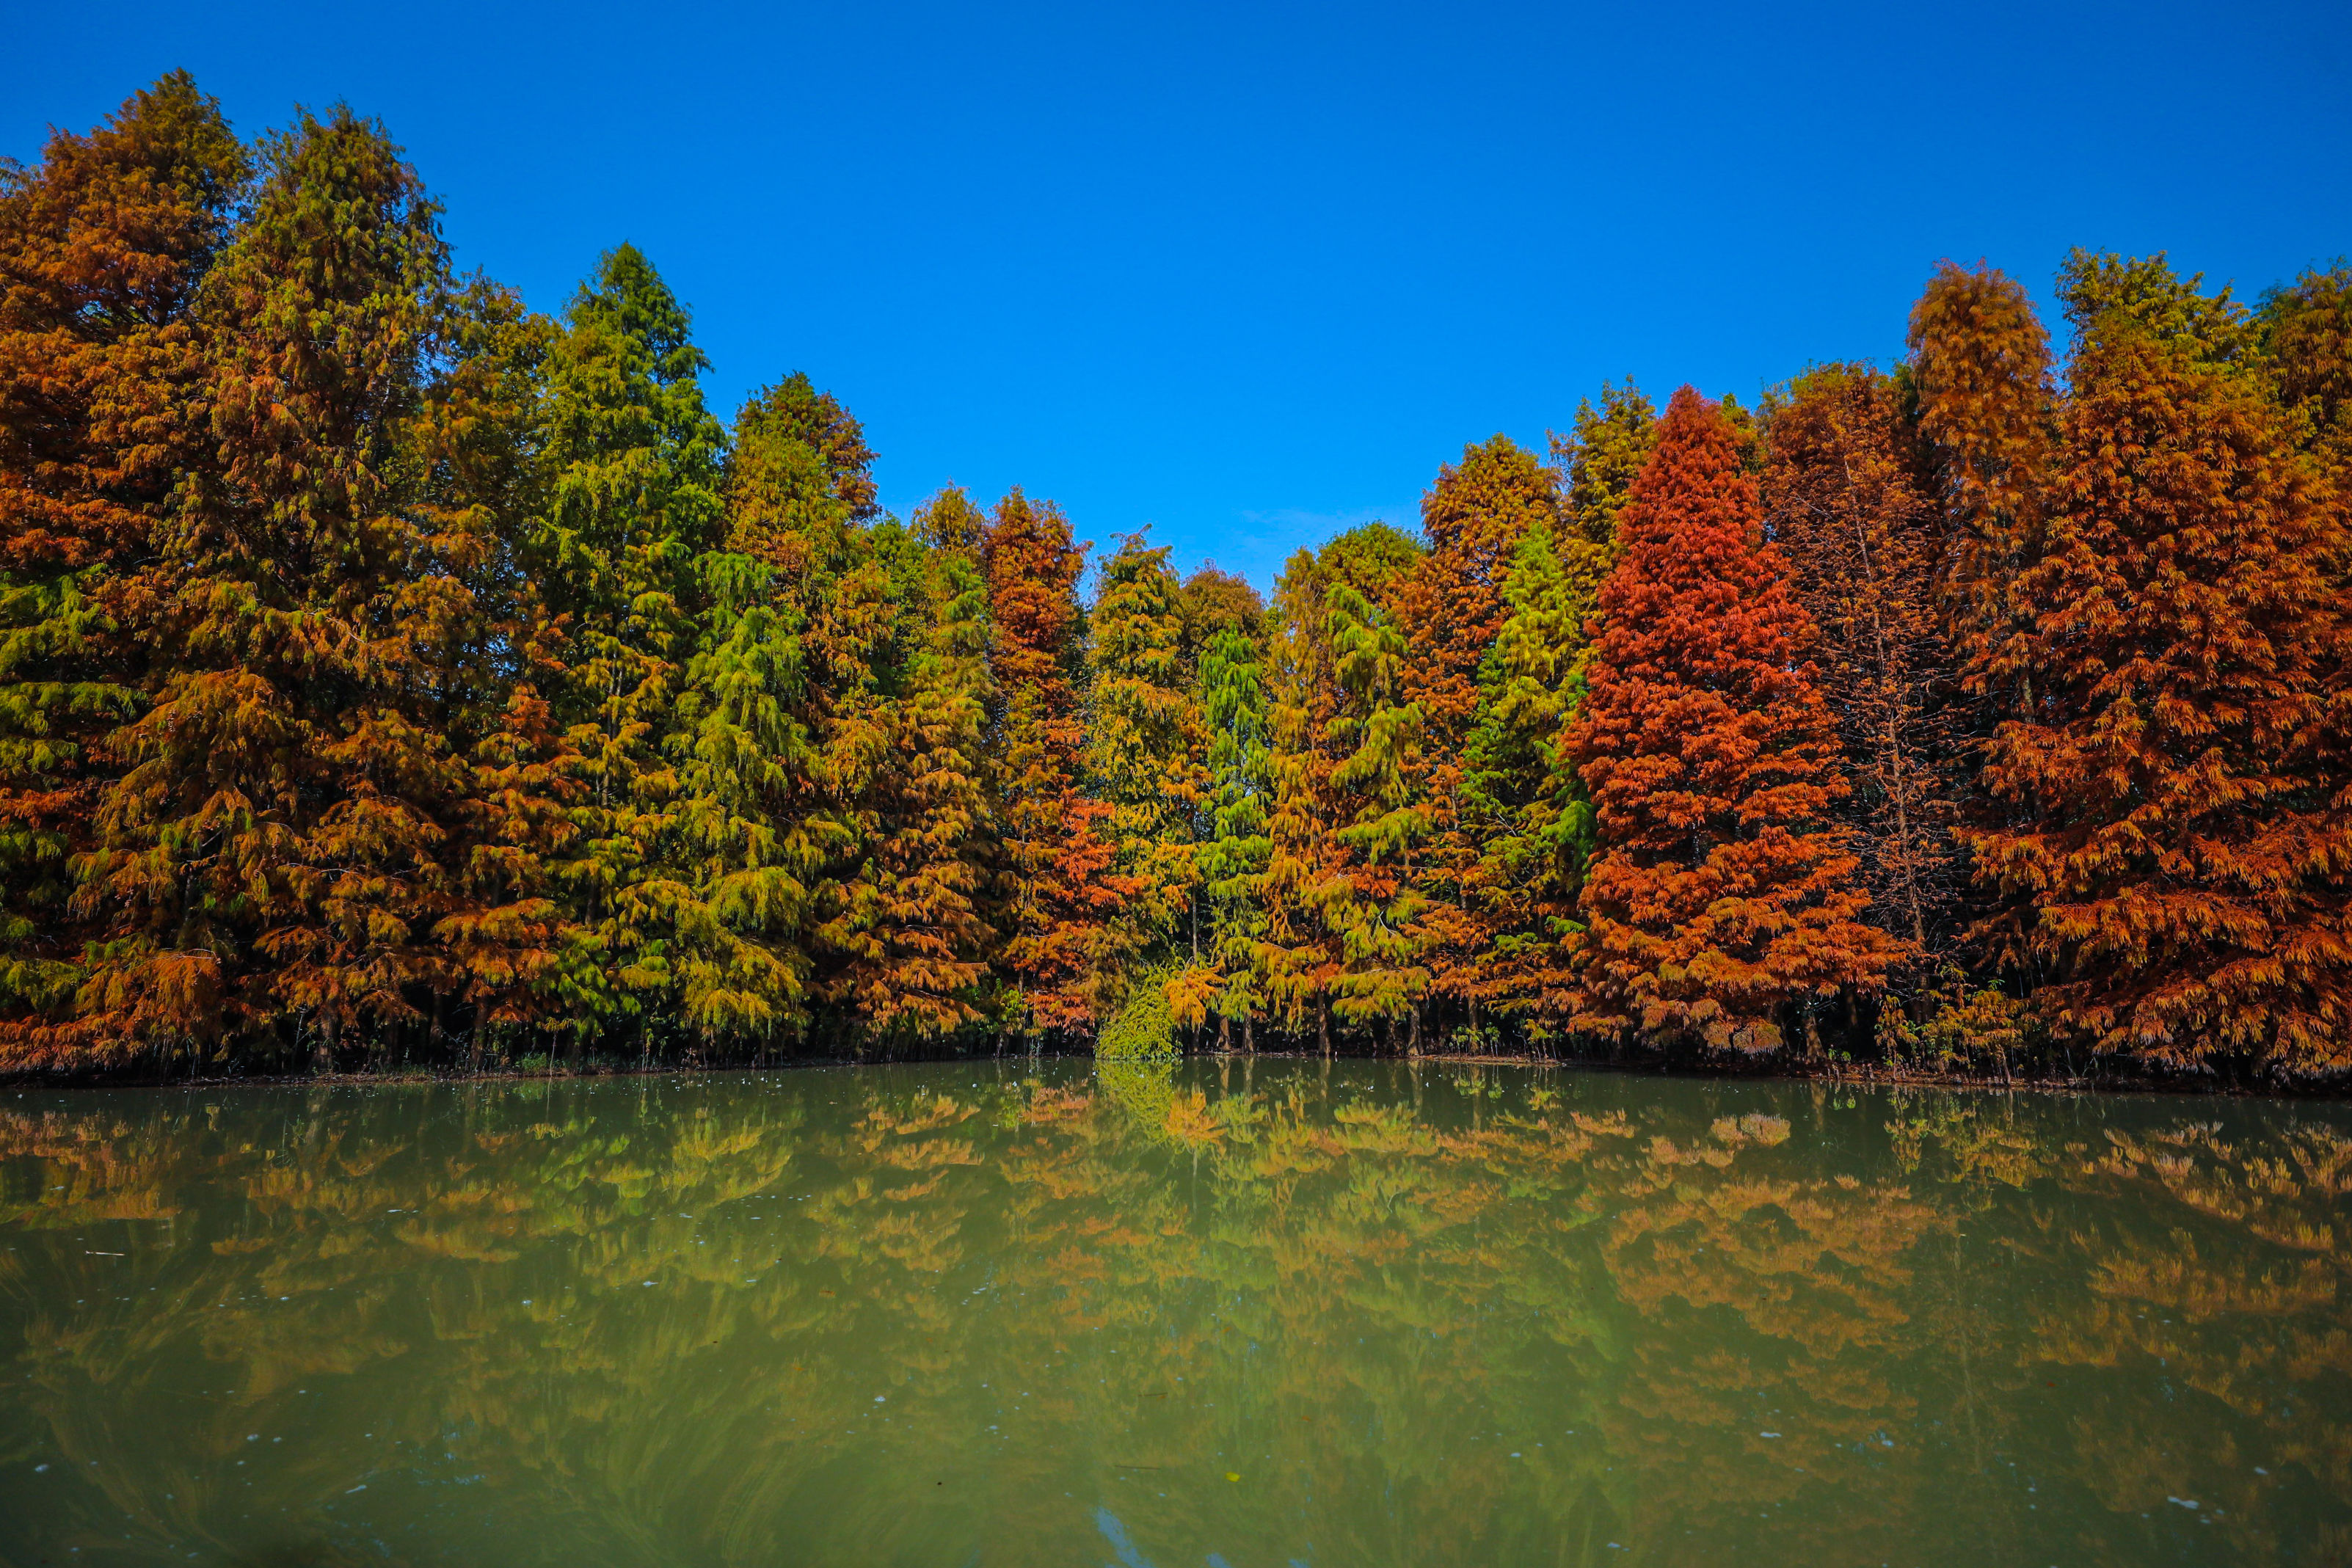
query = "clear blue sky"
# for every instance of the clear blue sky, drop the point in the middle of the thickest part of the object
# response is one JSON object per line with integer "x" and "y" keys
{"x": 1249, "y": 273}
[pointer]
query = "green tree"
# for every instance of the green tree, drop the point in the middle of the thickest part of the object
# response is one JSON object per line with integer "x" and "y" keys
{"x": 1599, "y": 460}
{"x": 1143, "y": 745}
{"x": 782, "y": 727}
{"x": 1526, "y": 806}
{"x": 633, "y": 476}
{"x": 1233, "y": 851}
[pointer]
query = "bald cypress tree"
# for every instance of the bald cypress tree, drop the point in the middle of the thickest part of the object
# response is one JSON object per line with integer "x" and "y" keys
{"x": 1063, "y": 945}
{"x": 1341, "y": 936}
{"x": 1598, "y": 461}
{"x": 906, "y": 941}
{"x": 1722, "y": 896}
{"x": 1980, "y": 365}
{"x": 1529, "y": 809}
{"x": 2306, "y": 327}
{"x": 1846, "y": 507}
{"x": 1235, "y": 847}
{"x": 631, "y": 499}
{"x": 1144, "y": 736}
{"x": 2182, "y": 819}
{"x": 1448, "y": 612}
{"x": 300, "y": 812}
{"x": 779, "y": 730}
{"x": 103, "y": 246}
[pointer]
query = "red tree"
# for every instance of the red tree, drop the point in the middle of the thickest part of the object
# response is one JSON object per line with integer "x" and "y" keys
{"x": 1721, "y": 893}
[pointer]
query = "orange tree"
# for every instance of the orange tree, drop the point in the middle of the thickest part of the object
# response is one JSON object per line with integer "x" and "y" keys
{"x": 904, "y": 936}
{"x": 1981, "y": 366}
{"x": 2182, "y": 825}
{"x": 300, "y": 845}
{"x": 1063, "y": 945}
{"x": 102, "y": 248}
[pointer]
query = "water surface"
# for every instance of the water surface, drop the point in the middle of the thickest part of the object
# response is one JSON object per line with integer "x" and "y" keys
{"x": 1222, "y": 1313}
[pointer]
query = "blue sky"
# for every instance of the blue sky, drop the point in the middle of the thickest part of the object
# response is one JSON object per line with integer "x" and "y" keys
{"x": 1249, "y": 273}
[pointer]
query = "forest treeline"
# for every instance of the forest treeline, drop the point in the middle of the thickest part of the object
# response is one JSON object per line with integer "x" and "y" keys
{"x": 388, "y": 672}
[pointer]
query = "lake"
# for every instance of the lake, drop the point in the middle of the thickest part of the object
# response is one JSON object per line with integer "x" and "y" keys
{"x": 1239, "y": 1313}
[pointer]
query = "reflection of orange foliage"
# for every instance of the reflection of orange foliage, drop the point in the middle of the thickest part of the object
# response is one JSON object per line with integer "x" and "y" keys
{"x": 1190, "y": 1122}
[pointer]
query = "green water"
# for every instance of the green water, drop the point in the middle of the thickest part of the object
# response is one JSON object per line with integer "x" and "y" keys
{"x": 1234, "y": 1315}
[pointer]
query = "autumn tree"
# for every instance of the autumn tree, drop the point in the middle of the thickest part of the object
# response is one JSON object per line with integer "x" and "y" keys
{"x": 1845, "y": 507}
{"x": 1987, "y": 410}
{"x": 103, "y": 246}
{"x": 2181, "y": 778}
{"x": 2306, "y": 329}
{"x": 297, "y": 820}
{"x": 1448, "y": 611}
{"x": 1343, "y": 936}
{"x": 1213, "y": 601}
{"x": 1063, "y": 949}
{"x": 1521, "y": 795}
{"x": 1722, "y": 896}
{"x": 908, "y": 929}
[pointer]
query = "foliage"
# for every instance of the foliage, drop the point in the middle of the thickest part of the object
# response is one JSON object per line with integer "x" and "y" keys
{"x": 1235, "y": 848}
{"x": 1143, "y": 1025}
{"x": 1988, "y": 412}
{"x": 1450, "y": 611}
{"x": 1144, "y": 740}
{"x": 1599, "y": 461}
{"x": 2180, "y": 824}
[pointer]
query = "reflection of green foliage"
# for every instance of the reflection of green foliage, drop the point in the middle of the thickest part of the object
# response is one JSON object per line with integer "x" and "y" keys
{"x": 1362, "y": 1287}
{"x": 1142, "y": 1086}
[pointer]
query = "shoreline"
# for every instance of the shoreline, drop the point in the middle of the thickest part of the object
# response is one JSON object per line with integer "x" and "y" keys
{"x": 1849, "y": 1074}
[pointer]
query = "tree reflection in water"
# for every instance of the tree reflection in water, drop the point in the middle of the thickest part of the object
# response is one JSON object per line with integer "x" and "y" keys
{"x": 948, "y": 1314}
